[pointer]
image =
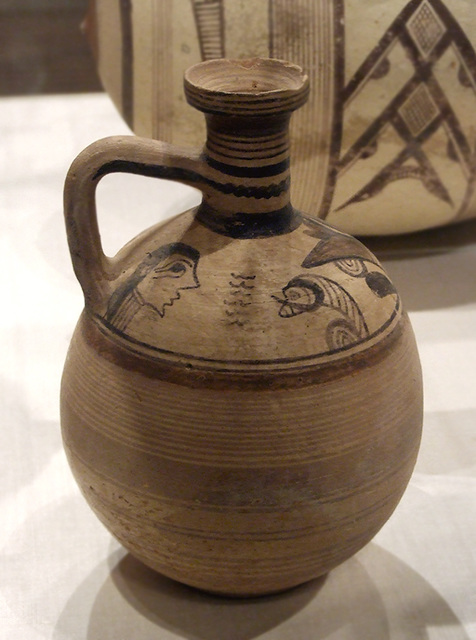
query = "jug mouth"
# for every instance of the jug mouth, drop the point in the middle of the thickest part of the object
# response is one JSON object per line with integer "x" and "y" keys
{"x": 255, "y": 86}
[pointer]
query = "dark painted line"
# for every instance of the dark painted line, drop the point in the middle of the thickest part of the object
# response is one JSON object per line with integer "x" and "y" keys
{"x": 250, "y": 225}
{"x": 127, "y": 75}
{"x": 250, "y": 171}
{"x": 193, "y": 178}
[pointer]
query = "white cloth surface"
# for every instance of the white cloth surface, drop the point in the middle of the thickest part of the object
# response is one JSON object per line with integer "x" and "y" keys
{"x": 63, "y": 577}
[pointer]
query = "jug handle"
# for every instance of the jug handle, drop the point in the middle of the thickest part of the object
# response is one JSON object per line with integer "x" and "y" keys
{"x": 95, "y": 271}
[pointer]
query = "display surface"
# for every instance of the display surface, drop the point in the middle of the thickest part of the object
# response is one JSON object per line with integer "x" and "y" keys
{"x": 386, "y": 143}
{"x": 242, "y": 400}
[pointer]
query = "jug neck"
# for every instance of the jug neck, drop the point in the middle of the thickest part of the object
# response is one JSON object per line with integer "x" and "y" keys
{"x": 248, "y": 162}
{"x": 247, "y": 105}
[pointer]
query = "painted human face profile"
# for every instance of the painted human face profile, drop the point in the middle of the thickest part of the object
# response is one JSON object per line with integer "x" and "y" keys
{"x": 174, "y": 272}
{"x": 156, "y": 283}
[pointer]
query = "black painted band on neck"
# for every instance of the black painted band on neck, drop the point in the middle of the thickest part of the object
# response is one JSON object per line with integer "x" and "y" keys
{"x": 250, "y": 225}
{"x": 250, "y": 171}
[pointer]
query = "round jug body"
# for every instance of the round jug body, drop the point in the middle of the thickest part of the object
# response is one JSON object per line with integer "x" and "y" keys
{"x": 242, "y": 423}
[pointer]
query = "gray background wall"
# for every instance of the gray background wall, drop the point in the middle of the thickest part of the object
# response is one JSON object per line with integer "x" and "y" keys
{"x": 42, "y": 48}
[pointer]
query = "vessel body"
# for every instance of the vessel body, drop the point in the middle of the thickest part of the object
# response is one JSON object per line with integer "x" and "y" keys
{"x": 242, "y": 402}
{"x": 391, "y": 110}
{"x": 238, "y": 474}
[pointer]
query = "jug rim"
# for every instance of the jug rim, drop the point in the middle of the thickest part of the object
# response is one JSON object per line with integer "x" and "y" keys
{"x": 248, "y": 86}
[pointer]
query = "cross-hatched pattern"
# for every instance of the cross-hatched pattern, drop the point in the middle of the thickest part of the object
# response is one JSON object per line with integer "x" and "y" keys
{"x": 419, "y": 110}
{"x": 425, "y": 28}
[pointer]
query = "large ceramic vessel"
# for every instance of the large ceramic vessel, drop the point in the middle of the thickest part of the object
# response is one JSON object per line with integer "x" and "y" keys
{"x": 241, "y": 403}
{"x": 387, "y": 141}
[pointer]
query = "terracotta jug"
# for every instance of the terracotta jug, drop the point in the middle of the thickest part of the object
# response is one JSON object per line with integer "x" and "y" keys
{"x": 387, "y": 141}
{"x": 242, "y": 402}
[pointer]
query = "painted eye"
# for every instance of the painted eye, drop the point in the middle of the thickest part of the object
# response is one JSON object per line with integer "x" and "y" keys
{"x": 298, "y": 294}
{"x": 178, "y": 268}
{"x": 174, "y": 269}
{"x": 294, "y": 294}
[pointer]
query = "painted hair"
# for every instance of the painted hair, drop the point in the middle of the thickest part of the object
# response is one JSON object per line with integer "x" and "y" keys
{"x": 152, "y": 259}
